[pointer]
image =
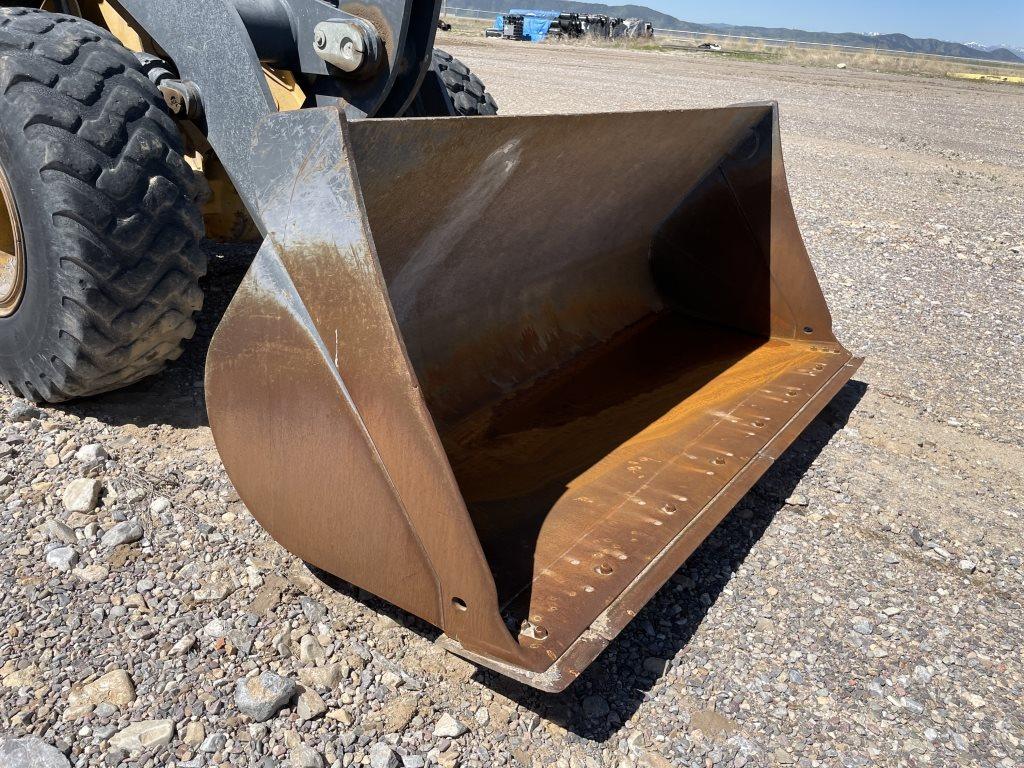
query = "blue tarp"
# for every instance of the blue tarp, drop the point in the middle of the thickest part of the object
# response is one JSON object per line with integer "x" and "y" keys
{"x": 535, "y": 23}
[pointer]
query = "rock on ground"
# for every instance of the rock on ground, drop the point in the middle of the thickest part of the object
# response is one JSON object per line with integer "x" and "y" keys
{"x": 30, "y": 752}
{"x": 397, "y": 714}
{"x": 195, "y": 733}
{"x": 327, "y": 676}
{"x": 305, "y": 757}
{"x": 62, "y": 558}
{"x": 213, "y": 743}
{"x": 82, "y": 495}
{"x": 115, "y": 687}
{"x": 263, "y": 696}
{"x": 21, "y": 411}
{"x": 310, "y": 705}
{"x": 146, "y": 735}
{"x": 383, "y": 756}
{"x": 595, "y": 706}
{"x": 92, "y": 452}
{"x": 127, "y": 532}
{"x": 448, "y": 726}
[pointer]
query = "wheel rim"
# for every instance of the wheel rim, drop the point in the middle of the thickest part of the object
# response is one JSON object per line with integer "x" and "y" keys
{"x": 12, "y": 251}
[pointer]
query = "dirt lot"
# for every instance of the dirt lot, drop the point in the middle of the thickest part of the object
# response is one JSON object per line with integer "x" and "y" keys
{"x": 861, "y": 606}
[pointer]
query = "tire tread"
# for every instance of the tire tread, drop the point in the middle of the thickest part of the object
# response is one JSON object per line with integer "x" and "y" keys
{"x": 121, "y": 199}
{"x": 466, "y": 89}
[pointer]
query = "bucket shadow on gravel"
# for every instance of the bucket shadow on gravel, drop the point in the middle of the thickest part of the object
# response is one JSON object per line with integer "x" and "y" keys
{"x": 175, "y": 396}
{"x": 634, "y": 664}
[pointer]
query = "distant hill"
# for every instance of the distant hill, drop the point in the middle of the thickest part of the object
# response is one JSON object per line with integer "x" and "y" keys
{"x": 1016, "y": 50}
{"x": 891, "y": 42}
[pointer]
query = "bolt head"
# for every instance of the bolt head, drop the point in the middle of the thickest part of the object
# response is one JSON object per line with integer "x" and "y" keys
{"x": 348, "y": 45}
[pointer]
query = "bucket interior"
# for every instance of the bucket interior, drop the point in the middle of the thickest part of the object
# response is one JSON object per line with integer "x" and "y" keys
{"x": 585, "y": 300}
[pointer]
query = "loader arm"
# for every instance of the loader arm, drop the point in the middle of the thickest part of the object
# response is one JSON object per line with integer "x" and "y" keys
{"x": 229, "y": 78}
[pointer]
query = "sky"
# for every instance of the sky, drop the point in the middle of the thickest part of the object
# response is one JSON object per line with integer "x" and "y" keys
{"x": 984, "y": 21}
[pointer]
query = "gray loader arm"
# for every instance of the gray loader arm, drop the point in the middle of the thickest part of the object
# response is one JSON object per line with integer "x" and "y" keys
{"x": 370, "y": 65}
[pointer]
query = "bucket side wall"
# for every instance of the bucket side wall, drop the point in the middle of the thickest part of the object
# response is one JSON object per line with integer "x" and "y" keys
{"x": 315, "y": 408}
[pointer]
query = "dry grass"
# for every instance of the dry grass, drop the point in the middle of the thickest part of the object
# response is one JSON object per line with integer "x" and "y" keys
{"x": 874, "y": 61}
{"x": 889, "y": 62}
{"x": 463, "y": 27}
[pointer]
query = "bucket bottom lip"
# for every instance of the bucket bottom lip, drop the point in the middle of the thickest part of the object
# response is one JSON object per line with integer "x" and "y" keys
{"x": 610, "y": 622}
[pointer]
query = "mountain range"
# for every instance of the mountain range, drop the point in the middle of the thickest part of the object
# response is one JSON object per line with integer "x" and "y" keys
{"x": 1016, "y": 50}
{"x": 891, "y": 42}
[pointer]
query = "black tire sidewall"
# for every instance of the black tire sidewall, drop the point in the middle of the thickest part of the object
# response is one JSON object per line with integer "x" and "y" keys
{"x": 31, "y": 325}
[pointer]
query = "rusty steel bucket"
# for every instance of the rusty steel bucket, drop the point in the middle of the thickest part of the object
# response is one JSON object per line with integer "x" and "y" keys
{"x": 508, "y": 373}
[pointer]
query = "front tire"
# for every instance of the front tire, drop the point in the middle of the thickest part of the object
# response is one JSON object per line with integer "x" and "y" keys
{"x": 107, "y": 206}
{"x": 467, "y": 91}
{"x": 451, "y": 89}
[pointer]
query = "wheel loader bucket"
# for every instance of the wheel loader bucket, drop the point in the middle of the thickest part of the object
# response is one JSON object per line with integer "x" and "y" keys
{"x": 507, "y": 373}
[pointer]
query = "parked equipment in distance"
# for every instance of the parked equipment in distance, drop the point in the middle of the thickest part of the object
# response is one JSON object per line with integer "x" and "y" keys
{"x": 575, "y": 25}
{"x": 536, "y": 26}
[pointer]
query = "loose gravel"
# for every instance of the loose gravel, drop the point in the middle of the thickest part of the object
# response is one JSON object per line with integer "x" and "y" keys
{"x": 860, "y": 607}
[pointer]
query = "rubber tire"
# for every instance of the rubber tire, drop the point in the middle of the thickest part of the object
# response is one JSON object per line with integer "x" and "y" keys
{"x": 109, "y": 210}
{"x": 468, "y": 94}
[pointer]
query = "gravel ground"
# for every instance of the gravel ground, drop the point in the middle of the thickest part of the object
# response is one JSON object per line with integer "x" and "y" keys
{"x": 861, "y": 606}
